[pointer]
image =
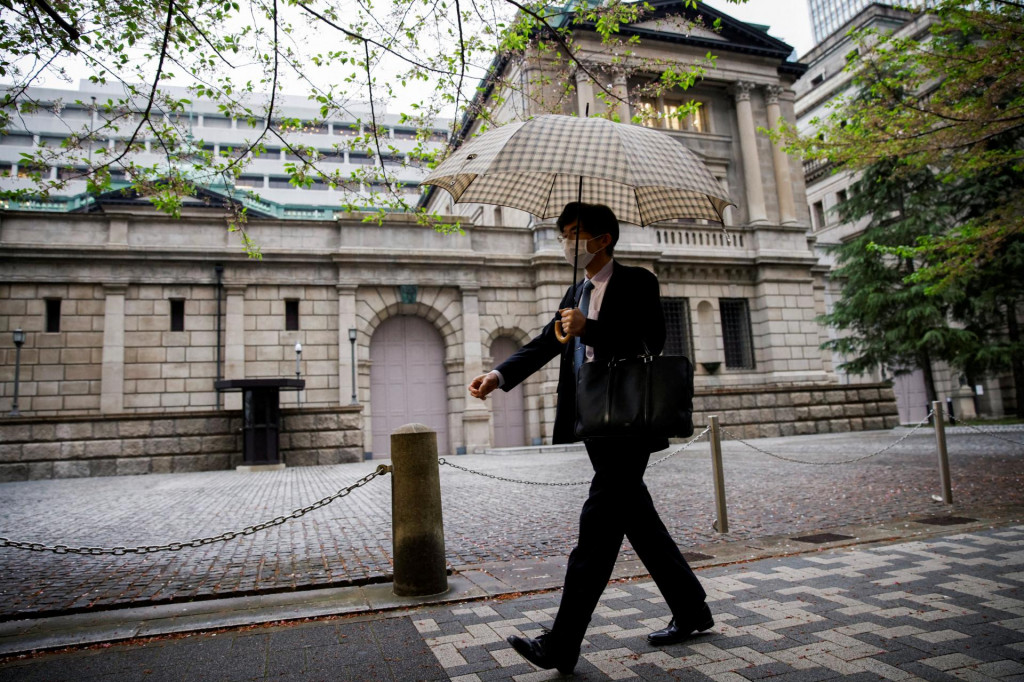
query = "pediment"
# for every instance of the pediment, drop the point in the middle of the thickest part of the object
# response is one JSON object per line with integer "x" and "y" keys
{"x": 678, "y": 26}
{"x": 674, "y": 20}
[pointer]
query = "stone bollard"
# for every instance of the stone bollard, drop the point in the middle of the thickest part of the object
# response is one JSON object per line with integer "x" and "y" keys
{"x": 417, "y": 530}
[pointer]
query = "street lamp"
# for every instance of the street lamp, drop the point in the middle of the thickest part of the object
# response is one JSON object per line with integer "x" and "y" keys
{"x": 298, "y": 373}
{"x": 19, "y": 339}
{"x": 352, "y": 340}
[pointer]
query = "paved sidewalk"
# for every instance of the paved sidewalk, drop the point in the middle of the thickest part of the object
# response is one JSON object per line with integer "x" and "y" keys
{"x": 946, "y": 608}
{"x": 349, "y": 542}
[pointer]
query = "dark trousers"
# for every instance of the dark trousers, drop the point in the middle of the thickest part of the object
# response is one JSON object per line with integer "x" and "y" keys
{"x": 620, "y": 505}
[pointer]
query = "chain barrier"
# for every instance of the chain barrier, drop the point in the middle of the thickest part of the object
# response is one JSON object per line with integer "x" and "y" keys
{"x": 567, "y": 484}
{"x": 842, "y": 461}
{"x": 990, "y": 434}
{"x": 198, "y": 542}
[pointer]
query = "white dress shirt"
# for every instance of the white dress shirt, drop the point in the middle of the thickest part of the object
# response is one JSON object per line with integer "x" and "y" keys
{"x": 600, "y": 280}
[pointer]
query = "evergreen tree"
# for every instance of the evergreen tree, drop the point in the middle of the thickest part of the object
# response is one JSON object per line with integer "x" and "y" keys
{"x": 886, "y": 317}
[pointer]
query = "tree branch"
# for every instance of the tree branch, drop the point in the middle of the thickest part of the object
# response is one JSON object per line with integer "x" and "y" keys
{"x": 462, "y": 57}
{"x": 373, "y": 113}
{"x": 203, "y": 34}
{"x": 356, "y": 36}
{"x": 58, "y": 19}
{"x": 565, "y": 46}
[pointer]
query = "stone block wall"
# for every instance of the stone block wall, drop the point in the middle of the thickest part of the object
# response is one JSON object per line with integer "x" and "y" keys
{"x": 164, "y": 369}
{"x": 130, "y": 444}
{"x": 270, "y": 348}
{"x": 60, "y": 371}
{"x": 799, "y": 410}
{"x": 330, "y": 435}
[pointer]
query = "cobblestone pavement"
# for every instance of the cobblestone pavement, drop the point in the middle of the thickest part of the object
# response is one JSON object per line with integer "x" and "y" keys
{"x": 946, "y": 609}
{"x": 485, "y": 520}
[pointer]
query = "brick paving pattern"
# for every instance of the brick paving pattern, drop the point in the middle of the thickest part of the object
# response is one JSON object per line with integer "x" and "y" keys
{"x": 945, "y": 609}
{"x": 485, "y": 520}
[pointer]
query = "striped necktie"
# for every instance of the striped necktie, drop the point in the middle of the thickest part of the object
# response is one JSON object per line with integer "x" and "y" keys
{"x": 580, "y": 351}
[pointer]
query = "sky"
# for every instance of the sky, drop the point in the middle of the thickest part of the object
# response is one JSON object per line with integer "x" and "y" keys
{"x": 790, "y": 20}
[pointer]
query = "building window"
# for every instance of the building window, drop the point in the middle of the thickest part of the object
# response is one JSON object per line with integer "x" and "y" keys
{"x": 841, "y": 197}
{"x": 255, "y": 181}
{"x": 664, "y": 113}
{"x": 217, "y": 122}
{"x": 678, "y": 339}
{"x": 819, "y": 215}
{"x": 53, "y": 315}
{"x": 736, "y": 336}
{"x": 291, "y": 314}
{"x": 177, "y": 314}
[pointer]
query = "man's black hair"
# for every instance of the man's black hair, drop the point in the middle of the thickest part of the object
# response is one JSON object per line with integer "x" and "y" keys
{"x": 597, "y": 219}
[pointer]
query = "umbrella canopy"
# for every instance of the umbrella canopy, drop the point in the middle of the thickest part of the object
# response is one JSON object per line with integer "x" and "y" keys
{"x": 540, "y": 165}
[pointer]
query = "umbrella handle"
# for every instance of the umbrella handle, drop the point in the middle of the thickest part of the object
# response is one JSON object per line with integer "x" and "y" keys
{"x": 559, "y": 334}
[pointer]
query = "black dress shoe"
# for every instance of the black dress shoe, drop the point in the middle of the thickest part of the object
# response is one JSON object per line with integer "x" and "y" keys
{"x": 677, "y": 632}
{"x": 543, "y": 654}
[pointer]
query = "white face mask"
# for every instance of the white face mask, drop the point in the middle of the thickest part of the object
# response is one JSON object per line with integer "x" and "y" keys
{"x": 569, "y": 249}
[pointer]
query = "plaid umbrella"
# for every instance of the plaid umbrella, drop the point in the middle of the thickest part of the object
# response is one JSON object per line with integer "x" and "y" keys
{"x": 542, "y": 164}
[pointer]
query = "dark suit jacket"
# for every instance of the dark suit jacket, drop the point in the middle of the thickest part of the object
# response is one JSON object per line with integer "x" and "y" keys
{"x": 630, "y": 316}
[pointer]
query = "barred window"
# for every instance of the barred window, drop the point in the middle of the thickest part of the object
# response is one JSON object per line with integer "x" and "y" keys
{"x": 678, "y": 337}
{"x": 738, "y": 341}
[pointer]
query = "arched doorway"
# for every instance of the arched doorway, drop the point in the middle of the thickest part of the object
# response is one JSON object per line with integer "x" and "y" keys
{"x": 407, "y": 381}
{"x": 507, "y": 409}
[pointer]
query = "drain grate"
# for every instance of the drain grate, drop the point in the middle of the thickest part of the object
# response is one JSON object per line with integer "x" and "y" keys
{"x": 947, "y": 520}
{"x": 696, "y": 556}
{"x": 823, "y": 537}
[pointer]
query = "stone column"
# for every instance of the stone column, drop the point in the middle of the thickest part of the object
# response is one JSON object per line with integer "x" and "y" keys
{"x": 346, "y": 321}
{"x": 476, "y": 418}
{"x": 748, "y": 148}
{"x": 584, "y": 94}
{"x": 112, "y": 377}
{"x": 621, "y": 91}
{"x": 532, "y": 90}
{"x": 783, "y": 177}
{"x": 234, "y": 341}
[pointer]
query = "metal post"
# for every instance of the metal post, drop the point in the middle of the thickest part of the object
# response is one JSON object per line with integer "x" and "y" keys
{"x": 417, "y": 531}
{"x": 940, "y": 443}
{"x": 722, "y": 523}
{"x": 19, "y": 339}
{"x": 352, "y": 341}
{"x": 298, "y": 374}
{"x": 218, "y": 269}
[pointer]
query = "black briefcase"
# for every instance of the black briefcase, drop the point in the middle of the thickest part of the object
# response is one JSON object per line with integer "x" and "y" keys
{"x": 645, "y": 396}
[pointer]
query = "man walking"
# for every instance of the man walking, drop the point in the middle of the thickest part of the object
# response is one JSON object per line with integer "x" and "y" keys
{"x": 618, "y": 315}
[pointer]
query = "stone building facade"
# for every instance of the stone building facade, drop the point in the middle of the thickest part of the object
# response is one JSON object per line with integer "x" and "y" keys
{"x": 134, "y": 332}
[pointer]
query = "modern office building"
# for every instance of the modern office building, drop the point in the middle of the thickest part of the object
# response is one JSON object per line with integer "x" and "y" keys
{"x": 827, "y": 16}
{"x": 59, "y": 116}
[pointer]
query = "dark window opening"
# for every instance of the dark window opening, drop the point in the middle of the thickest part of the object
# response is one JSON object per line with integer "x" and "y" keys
{"x": 177, "y": 314}
{"x": 736, "y": 335}
{"x": 291, "y": 315}
{"x": 819, "y": 215}
{"x": 678, "y": 339}
{"x": 52, "y": 315}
